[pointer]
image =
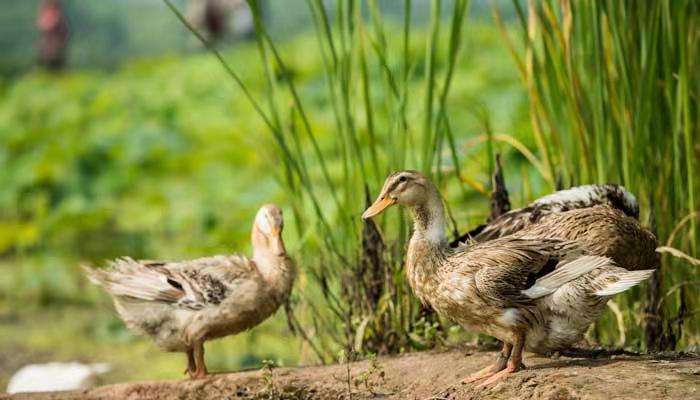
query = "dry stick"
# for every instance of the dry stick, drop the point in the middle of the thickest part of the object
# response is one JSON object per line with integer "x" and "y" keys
{"x": 678, "y": 254}
{"x": 500, "y": 204}
{"x": 680, "y": 224}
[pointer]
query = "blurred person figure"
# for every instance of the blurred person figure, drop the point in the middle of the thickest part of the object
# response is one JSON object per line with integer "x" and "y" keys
{"x": 53, "y": 34}
{"x": 215, "y": 17}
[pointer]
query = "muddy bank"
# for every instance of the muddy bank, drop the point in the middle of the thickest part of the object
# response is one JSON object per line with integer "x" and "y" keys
{"x": 431, "y": 375}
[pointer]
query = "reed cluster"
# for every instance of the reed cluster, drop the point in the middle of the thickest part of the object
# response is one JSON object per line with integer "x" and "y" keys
{"x": 613, "y": 98}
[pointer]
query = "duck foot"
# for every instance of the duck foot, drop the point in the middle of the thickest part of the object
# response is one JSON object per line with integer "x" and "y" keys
{"x": 498, "y": 365}
{"x": 497, "y": 377}
{"x": 489, "y": 371}
{"x": 190, "y": 363}
{"x": 515, "y": 362}
{"x": 198, "y": 374}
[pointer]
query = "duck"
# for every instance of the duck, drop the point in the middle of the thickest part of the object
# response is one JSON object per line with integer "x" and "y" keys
{"x": 576, "y": 198}
{"x": 515, "y": 288}
{"x": 183, "y": 304}
{"x": 604, "y": 218}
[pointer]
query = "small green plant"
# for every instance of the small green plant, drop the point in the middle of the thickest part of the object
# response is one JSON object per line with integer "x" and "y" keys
{"x": 373, "y": 377}
{"x": 345, "y": 358}
{"x": 269, "y": 389}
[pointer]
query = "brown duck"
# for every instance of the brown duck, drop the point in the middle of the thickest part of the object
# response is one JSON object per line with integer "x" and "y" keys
{"x": 603, "y": 218}
{"x": 575, "y": 198}
{"x": 516, "y": 288}
{"x": 182, "y": 304}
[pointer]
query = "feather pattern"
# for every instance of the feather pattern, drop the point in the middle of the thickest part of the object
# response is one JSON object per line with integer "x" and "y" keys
{"x": 564, "y": 273}
{"x": 178, "y": 302}
{"x": 577, "y": 198}
{"x": 194, "y": 284}
{"x": 603, "y": 221}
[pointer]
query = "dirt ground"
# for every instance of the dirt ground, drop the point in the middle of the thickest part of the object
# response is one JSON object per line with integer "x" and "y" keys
{"x": 433, "y": 375}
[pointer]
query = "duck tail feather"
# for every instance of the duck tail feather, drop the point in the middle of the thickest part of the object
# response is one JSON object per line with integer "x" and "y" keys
{"x": 565, "y": 272}
{"x": 96, "y": 276}
{"x": 126, "y": 279}
{"x": 626, "y": 280}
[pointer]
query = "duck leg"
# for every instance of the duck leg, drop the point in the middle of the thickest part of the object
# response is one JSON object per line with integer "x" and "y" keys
{"x": 190, "y": 362}
{"x": 497, "y": 366}
{"x": 515, "y": 363}
{"x": 200, "y": 370}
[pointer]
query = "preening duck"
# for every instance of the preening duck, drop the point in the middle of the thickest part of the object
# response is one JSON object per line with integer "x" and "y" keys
{"x": 182, "y": 304}
{"x": 602, "y": 218}
{"x": 509, "y": 287}
{"x": 576, "y": 198}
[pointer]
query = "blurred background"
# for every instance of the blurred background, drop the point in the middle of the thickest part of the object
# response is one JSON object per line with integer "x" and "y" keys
{"x": 122, "y": 134}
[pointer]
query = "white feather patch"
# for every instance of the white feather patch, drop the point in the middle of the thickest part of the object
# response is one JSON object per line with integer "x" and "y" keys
{"x": 509, "y": 317}
{"x": 589, "y": 195}
{"x": 576, "y": 194}
{"x": 627, "y": 280}
{"x": 565, "y": 273}
{"x": 435, "y": 233}
{"x": 630, "y": 199}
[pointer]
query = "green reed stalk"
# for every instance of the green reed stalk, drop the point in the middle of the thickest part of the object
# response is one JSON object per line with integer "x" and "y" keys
{"x": 371, "y": 140}
{"x": 614, "y": 100}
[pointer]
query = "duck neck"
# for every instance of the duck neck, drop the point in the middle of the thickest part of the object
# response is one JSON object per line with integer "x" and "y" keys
{"x": 276, "y": 270}
{"x": 429, "y": 220}
{"x": 427, "y": 248}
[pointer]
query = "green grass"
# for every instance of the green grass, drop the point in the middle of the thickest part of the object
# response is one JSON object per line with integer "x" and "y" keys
{"x": 380, "y": 88}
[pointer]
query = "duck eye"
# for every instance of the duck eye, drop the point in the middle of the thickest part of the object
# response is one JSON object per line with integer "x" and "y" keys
{"x": 403, "y": 179}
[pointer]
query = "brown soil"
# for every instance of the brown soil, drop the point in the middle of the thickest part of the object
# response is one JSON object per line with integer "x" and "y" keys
{"x": 432, "y": 375}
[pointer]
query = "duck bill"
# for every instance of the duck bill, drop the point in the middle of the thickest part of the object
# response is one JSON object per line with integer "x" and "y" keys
{"x": 380, "y": 205}
{"x": 276, "y": 243}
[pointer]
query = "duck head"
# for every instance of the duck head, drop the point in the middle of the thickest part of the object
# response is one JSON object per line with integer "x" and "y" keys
{"x": 414, "y": 191}
{"x": 267, "y": 231}
{"x": 407, "y": 188}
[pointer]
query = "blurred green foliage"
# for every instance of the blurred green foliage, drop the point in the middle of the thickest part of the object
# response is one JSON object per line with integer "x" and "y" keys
{"x": 166, "y": 159}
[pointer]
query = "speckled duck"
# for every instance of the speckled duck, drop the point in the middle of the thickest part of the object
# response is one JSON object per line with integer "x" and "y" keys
{"x": 522, "y": 290}
{"x": 182, "y": 304}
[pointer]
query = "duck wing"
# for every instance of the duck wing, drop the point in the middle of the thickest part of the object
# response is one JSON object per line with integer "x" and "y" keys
{"x": 193, "y": 284}
{"x": 604, "y": 231}
{"x": 513, "y": 271}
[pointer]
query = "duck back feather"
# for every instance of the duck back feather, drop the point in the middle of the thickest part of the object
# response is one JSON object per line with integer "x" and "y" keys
{"x": 576, "y": 198}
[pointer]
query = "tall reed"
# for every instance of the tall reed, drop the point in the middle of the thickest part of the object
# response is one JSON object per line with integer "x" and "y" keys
{"x": 371, "y": 83}
{"x": 612, "y": 95}
{"x": 613, "y": 89}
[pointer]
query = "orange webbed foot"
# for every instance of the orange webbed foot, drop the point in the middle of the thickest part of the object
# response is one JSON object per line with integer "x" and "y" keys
{"x": 486, "y": 372}
{"x": 497, "y": 377}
